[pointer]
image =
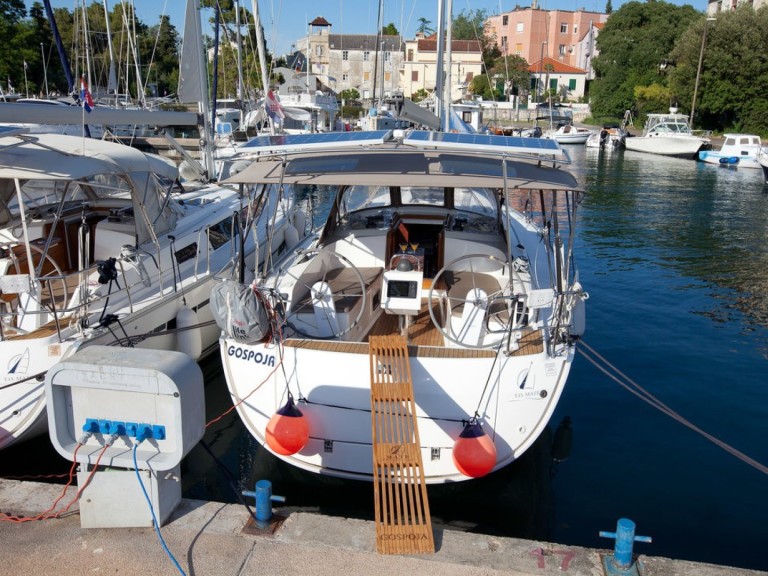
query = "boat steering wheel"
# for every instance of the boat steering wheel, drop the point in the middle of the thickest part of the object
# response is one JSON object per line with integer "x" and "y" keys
{"x": 320, "y": 289}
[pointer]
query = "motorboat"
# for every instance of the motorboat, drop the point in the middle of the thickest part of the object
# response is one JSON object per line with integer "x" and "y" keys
{"x": 609, "y": 137}
{"x": 737, "y": 151}
{"x": 668, "y": 135}
{"x": 438, "y": 297}
{"x": 569, "y": 134}
{"x": 101, "y": 244}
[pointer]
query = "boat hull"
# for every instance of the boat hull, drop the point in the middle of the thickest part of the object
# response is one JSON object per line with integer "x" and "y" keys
{"x": 515, "y": 396}
{"x": 728, "y": 161}
{"x": 681, "y": 147}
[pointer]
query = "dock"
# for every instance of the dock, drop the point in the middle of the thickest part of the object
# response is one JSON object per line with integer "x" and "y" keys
{"x": 214, "y": 538}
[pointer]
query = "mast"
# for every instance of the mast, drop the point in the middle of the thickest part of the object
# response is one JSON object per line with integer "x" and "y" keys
{"x": 448, "y": 98}
{"x": 112, "y": 81}
{"x": 87, "y": 46}
{"x": 262, "y": 54}
{"x": 193, "y": 78}
{"x": 439, "y": 80}
{"x": 59, "y": 46}
{"x": 240, "y": 90}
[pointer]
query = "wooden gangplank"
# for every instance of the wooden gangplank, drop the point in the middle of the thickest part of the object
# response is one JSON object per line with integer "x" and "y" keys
{"x": 403, "y": 523}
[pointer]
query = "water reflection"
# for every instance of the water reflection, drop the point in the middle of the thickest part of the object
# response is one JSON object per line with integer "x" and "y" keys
{"x": 698, "y": 220}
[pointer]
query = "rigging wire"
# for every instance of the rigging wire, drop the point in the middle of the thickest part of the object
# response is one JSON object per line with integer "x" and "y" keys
{"x": 627, "y": 383}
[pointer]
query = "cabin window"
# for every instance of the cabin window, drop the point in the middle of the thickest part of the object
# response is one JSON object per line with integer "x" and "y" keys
{"x": 221, "y": 233}
{"x": 520, "y": 28}
{"x": 366, "y": 56}
{"x": 359, "y": 197}
{"x": 505, "y": 20}
{"x": 414, "y": 75}
{"x": 432, "y": 196}
{"x": 477, "y": 200}
{"x": 410, "y": 54}
{"x": 572, "y": 84}
{"x": 345, "y": 55}
{"x": 563, "y": 28}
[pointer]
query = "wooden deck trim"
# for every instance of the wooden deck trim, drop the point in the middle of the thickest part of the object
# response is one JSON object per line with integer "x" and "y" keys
{"x": 401, "y": 507}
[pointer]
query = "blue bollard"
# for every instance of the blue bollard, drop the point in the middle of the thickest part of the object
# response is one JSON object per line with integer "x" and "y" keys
{"x": 621, "y": 563}
{"x": 264, "y": 498}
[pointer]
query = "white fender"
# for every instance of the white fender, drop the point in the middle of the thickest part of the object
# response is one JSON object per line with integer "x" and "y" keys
{"x": 300, "y": 222}
{"x": 188, "y": 339}
{"x": 291, "y": 236}
{"x": 579, "y": 311}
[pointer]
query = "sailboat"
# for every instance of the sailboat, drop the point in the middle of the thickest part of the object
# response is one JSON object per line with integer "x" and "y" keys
{"x": 102, "y": 244}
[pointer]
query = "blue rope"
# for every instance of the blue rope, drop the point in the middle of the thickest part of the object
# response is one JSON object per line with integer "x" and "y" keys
{"x": 152, "y": 511}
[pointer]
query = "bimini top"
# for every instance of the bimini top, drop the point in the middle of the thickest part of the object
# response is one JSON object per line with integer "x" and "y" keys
{"x": 414, "y": 158}
{"x": 61, "y": 157}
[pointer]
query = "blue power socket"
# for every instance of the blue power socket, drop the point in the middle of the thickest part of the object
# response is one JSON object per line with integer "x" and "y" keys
{"x": 142, "y": 431}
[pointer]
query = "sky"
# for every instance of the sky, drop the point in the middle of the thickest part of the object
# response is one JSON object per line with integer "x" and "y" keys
{"x": 285, "y": 21}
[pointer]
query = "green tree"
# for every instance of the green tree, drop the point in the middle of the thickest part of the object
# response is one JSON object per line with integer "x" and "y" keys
{"x": 507, "y": 75}
{"x": 731, "y": 92}
{"x": 349, "y": 95}
{"x": 390, "y": 30}
{"x": 419, "y": 95}
{"x": 635, "y": 41}
{"x": 470, "y": 25}
{"x": 608, "y": 7}
{"x": 424, "y": 27}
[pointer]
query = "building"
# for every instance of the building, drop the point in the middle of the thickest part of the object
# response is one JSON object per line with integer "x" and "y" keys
{"x": 419, "y": 69}
{"x": 569, "y": 81}
{"x": 715, "y": 6}
{"x": 535, "y": 34}
{"x": 365, "y": 62}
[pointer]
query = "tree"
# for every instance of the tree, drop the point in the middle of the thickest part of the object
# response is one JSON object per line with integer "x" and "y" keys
{"x": 390, "y": 30}
{"x": 424, "y": 27}
{"x": 636, "y": 39}
{"x": 731, "y": 92}
{"x": 419, "y": 95}
{"x": 470, "y": 25}
{"x": 508, "y": 75}
{"x": 608, "y": 7}
{"x": 349, "y": 95}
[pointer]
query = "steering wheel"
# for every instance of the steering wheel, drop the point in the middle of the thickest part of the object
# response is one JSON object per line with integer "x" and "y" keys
{"x": 350, "y": 291}
{"x": 55, "y": 288}
{"x": 496, "y": 301}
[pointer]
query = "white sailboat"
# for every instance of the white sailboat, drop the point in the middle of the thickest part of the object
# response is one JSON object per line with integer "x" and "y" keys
{"x": 101, "y": 244}
{"x": 433, "y": 246}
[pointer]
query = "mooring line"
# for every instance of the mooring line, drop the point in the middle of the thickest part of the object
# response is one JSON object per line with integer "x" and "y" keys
{"x": 634, "y": 388}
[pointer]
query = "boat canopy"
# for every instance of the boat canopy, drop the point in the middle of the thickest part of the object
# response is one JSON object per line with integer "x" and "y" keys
{"x": 407, "y": 168}
{"x": 54, "y": 157}
{"x": 419, "y": 159}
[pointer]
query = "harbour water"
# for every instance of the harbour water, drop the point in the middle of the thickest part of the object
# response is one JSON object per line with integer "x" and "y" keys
{"x": 675, "y": 258}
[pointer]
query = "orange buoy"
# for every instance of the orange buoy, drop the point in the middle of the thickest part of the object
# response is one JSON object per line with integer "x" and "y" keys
{"x": 287, "y": 430}
{"x": 474, "y": 452}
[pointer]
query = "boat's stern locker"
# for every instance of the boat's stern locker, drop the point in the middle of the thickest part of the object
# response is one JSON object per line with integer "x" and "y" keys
{"x": 336, "y": 387}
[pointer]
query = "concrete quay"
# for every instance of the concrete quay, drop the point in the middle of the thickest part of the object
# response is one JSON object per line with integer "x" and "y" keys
{"x": 208, "y": 538}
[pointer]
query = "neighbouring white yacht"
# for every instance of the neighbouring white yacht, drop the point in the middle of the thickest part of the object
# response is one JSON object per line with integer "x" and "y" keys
{"x": 101, "y": 244}
{"x": 668, "y": 135}
{"x": 429, "y": 325}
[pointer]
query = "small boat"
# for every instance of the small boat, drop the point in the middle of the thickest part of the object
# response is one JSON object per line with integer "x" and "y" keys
{"x": 610, "y": 137}
{"x": 444, "y": 275}
{"x": 569, "y": 134}
{"x": 101, "y": 244}
{"x": 668, "y": 135}
{"x": 737, "y": 151}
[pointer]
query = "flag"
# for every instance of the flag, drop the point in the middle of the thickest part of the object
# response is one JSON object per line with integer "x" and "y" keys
{"x": 85, "y": 95}
{"x": 273, "y": 107}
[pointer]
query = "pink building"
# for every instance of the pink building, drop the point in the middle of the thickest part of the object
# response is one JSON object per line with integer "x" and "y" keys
{"x": 535, "y": 34}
